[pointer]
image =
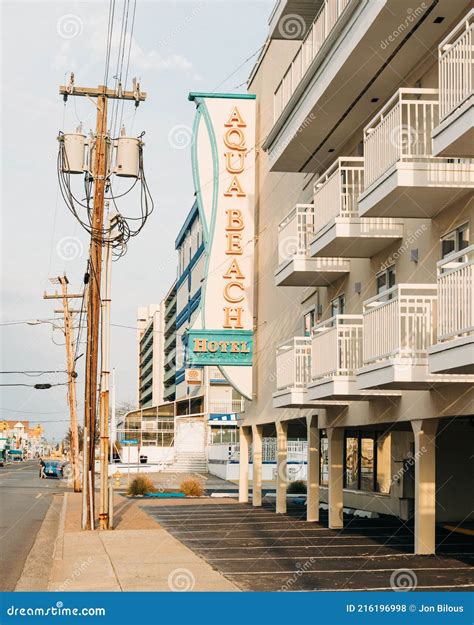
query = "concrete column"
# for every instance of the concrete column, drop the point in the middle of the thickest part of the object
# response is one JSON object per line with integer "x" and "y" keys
{"x": 335, "y": 476}
{"x": 312, "y": 499}
{"x": 282, "y": 479}
{"x": 245, "y": 438}
{"x": 257, "y": 439}
{"x": 424, "y": 431}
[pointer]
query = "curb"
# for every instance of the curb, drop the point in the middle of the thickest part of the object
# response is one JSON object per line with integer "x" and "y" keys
{"x": 39, "y": 563}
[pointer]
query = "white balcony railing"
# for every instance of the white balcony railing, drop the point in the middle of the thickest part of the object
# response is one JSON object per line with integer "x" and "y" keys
{"x": 336, "y": 347}
{"x": 337, "y": 190}
{"x": 226, "y": 406}
{"x": 297, "y": 450}
{"x": 318, "y": 32}
{"x": 456, "y": 66}
{"x": 400, "y": 322}
{"x": 295, "y": 233}
{"x": 401, "y": 132}
{"x": 293, "y": 363}
{"x": 456, "y": 295}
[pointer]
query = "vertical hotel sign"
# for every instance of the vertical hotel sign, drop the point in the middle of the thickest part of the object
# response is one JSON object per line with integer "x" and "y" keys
{"x": 223, "y": 158}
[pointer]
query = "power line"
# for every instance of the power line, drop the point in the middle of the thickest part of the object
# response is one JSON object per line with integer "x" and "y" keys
{"x": 239, "y": 67}
{"x": 34, "y": 412}
{"x": 37, "y": 372}
{"x": 38, "y": 386}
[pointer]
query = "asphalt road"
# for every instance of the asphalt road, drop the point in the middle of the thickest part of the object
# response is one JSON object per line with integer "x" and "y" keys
{"x": 261, "y": 551}
{"x": 24, "y": 501}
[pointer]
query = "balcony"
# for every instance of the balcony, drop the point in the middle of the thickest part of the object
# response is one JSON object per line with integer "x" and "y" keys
{"x": 454, "y": 350}
{"x": 399, "y": 328}
{"x": 336, "y": 354}
{"x": 226, "y": 406}
{"x": 170, "y": 359}
{"x": 454, "y": 135}
{"x": 320, "y": 30}
{"x": 339, "y": 231}
{"x": 170, "y": 326}
{"x": 331, "y": 86}
{"x": 170, "y": 341}
{"x": 402, "y": 177}
{"x": 169, "y": 375}
{"x": 284, "y": 25}
{"x": 296, "y": 267}
{"x": 293, "y": 373}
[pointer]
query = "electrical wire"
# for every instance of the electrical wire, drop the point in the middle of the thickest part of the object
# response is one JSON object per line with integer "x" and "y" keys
{"x": 123, "y": 230}
{"x": 34, "y": 373}
{"x": 33, "y": 385}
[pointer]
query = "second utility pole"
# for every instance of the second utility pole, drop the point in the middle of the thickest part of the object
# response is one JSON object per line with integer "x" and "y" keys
{"x": 71, "y": 374}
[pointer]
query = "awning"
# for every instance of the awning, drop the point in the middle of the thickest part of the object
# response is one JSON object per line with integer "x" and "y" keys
{"x": 223, "y": 418}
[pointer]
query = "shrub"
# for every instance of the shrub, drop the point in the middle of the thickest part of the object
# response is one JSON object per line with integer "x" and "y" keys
{"x": 141, "y": 485}
{"x": 296, "y": 488}
{"x": 192, "y": 488}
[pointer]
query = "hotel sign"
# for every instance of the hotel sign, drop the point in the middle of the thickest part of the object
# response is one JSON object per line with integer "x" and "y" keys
{"x": 193, "y": 377}
{"x": 223, "y": 159}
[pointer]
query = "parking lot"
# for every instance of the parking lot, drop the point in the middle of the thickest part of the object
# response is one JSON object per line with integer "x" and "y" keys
{"x": 259, "y": 550}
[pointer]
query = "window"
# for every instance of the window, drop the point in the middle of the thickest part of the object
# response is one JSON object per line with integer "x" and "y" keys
{"x": 338, "y": 305}
{"x": 309, "y": 319}
{"x": 386, "y": 279}
{"x": 323, "y": 454}
{"x": 455, "y": 241}
{"x": 351, "y": 476}
{"x": 383, "y": 462}
{"x": 367, "y": 461}
{"x": 367, "y": 464}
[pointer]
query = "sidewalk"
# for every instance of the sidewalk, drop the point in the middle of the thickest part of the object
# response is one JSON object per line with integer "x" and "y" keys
{"x": 139, "y": 555}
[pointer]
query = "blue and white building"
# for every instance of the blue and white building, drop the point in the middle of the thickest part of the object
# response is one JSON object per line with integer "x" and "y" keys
{"x": 221, "y": 402}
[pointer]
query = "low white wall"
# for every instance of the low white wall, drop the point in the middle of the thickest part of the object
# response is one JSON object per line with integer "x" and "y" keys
{"x": 230, "y": 471}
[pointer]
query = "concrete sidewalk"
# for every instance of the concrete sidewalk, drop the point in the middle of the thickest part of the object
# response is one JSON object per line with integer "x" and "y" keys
{"x": 139, "y": 555}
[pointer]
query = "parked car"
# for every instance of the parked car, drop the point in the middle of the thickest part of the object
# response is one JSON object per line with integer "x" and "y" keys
{"x": 54, "y": 468}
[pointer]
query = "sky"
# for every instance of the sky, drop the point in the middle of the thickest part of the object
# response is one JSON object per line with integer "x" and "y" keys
{"x": 177, "y": 47}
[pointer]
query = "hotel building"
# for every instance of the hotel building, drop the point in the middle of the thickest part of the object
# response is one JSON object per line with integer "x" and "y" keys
{"x": 364, "y": 258}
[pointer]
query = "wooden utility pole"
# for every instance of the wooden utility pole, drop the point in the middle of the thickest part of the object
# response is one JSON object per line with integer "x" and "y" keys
{"x": 99, "y": 173}
{"x": 71, "y": 373}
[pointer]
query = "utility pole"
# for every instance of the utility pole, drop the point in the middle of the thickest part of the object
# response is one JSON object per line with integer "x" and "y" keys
{"x": 99, "y": 173}
{"x": 105, "y": 377}
{"x": 71, "y": 373}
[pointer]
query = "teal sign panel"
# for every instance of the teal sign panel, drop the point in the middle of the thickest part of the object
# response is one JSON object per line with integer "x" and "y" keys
{"x": 219, "y": 347}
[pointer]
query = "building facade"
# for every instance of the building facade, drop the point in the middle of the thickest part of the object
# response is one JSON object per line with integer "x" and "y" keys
{"x": 201, "y": 405}
{"x": 364, "y": 258}
{"x": 169, "y": 345}
{"x": 150, "y": 324}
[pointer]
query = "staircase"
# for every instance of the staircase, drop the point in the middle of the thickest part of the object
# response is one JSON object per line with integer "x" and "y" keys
{"x": 188, "y": 462}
